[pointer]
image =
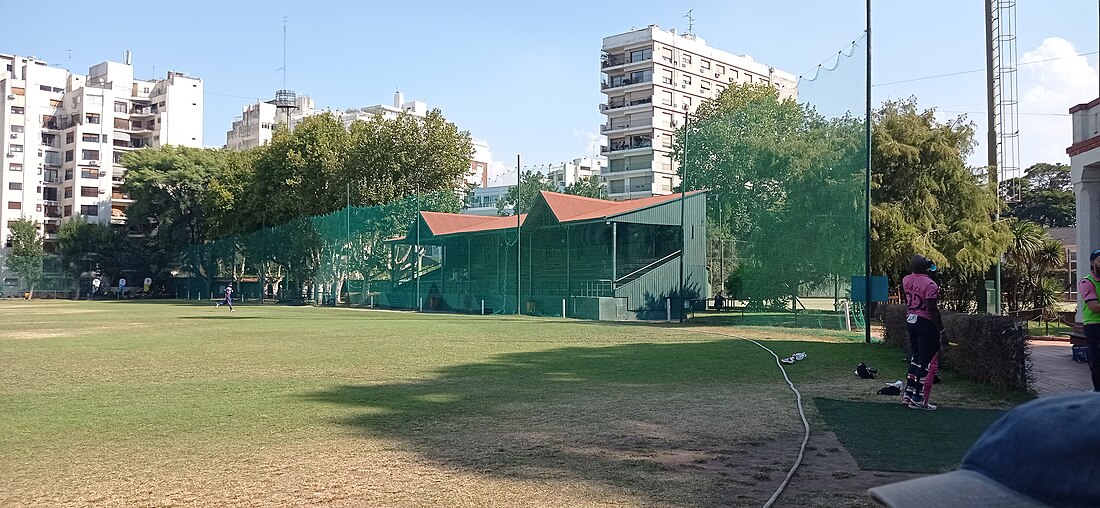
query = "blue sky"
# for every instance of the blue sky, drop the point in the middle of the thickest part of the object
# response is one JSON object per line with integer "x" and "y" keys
{"x": 524, "y": 76}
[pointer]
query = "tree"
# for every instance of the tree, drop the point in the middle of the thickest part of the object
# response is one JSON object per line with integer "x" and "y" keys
{"x": 1044, "y": 195}
{"x": 27, "y": 253}
{"x": 777, "y": 173}
{"x": 589, "y": 187}
{"x": 83, "y": 247}
{"x": 521, "y": 197}
{"x": 925, "y": 200}
{"x": 171, "y": 188}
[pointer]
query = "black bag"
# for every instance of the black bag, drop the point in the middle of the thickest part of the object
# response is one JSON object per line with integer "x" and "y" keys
{"x": 865, "y": 372}
{"x": 890, "y": 390}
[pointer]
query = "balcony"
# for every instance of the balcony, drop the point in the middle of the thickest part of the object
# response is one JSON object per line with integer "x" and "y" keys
{"x": 621, "y": 147}
{"x": 617, "y": 83}
{"x": 608, "y": 61}
{"x": 50, "y": 235}
{"x": 51, "y": 179}
{"x": 50, "y": 202}
{"x": 142, "y": 112}
{"x": 619, "y": 104}
{"x": 621, "y": 127}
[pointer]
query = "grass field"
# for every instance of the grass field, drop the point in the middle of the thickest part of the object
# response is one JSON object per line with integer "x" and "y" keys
{"x": 181, "y": 404}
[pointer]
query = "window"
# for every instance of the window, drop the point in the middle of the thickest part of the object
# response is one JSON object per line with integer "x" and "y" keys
{"x": 18, "y": 91}
{"x": 69, "y": 137}
{"x": 116, "y": 157}
{"x": 16, "y": 148}
{"x": 44, "y": 88}
{"x": 90, "y": 138}
{"x": 15, "y": 185}
{"x": 704, "y": 64}
{"x": 49, "y": 194}
{"x": 95, "y": 100}
{"x": 69, "y": 176}
{"x": 91, "y": 118}
{"x": 89, "y": 155}
{"x": 122, "y": 123}
{"x": 17, "y": 128}
{"x": 53, "y": 158}
{"x": 666, "y": 77}
{"x": 49, "y": 140}
{"x": 17, "y": 110}
{"x": 68, "y": 210}
{"x": 68, "y": 192}
{"x": 54, "y": 103}
{"x": 150, "y": 124}
{"x": 120, "y": 107}
{"x": 89, "y": 210}
{"x": 89, "y": 192}
{"x": 15, "y": 167}
{"x": 666, "y": 54}
{"x": 68, "y": 155}
{"x": 89, "y": 173}
{"x": 720, "y": 69}
{"x": 15, "y": 205}
{"x": 687, "y": 58}
{"x": 639, "y": 55}
{"x": 687, "y": 79}
{"x": 704, "y": 85}
{"x": 687, "y": 101}
{"x": 49, "y": 122}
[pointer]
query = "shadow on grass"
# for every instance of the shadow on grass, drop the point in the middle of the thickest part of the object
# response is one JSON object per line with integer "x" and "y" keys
{"x": 233, "y": 317}
{"x": 639, "y": 418}
{"x": 887, "y": 436}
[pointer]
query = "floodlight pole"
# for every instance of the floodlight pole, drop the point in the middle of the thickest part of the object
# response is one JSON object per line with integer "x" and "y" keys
{"x": 416, "y": 301}
{"x": 867, "y": 194}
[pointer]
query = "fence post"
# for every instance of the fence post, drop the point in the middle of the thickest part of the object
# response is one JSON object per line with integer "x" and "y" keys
{"x": 483, "y": 307}
{"x": 668, "y": 309}
{"x": 847, "y": 315}
{"x": 563, "y": 308}
{"x": 420, "y": 304}
{"x": 372, "y": 301}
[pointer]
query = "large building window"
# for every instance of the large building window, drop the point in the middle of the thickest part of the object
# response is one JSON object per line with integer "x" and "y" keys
{"x": 68, "y": 155}
{"x": 15, "y": 185}
{"x": 68, "y": 192}
{"x": 89, "y": 138}
{"x": 17, "y": 128}
{"x": 89, "y": 155}
{"x": 89, "y": 173}
{"x": 89, "y": 192}
{"x": 15, "y": 166}
{"x": 89, "y": 210}
{"x": 91, "y": 118}
{"x": 16, "y": 148}
{"x": 17, "y": 110}
{"x": 120, "y": 107}
{"x": 15, "y": 205}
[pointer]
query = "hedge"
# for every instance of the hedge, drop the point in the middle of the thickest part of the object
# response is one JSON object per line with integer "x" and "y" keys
{"x": 984, "y": 348}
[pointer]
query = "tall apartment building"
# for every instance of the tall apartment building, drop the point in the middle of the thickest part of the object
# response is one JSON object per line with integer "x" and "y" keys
{"x": 62, "y": 136}
{"x": 652, "y": 79}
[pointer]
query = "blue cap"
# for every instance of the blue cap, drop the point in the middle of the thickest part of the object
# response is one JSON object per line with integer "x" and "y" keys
{"x": 1095, "y": 254}
{"x": 1042, "y": 453}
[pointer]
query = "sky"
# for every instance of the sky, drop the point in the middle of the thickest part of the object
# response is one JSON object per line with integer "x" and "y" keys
{"x": 525, "y": 76}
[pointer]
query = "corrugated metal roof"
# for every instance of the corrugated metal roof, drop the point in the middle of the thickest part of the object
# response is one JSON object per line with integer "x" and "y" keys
{"x": 569, "y": 208}
{"x": 450, "y": 223}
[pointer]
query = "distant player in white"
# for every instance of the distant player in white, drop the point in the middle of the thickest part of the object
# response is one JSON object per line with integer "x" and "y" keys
{"x": 228, "y": 298}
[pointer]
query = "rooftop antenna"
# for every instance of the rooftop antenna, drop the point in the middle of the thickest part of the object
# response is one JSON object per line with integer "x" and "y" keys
{"x": 70, "y": 52}
{"x": 691, "y": 22}
{"x": 285, "y": 100}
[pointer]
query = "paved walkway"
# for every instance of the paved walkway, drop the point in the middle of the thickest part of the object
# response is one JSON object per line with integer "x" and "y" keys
{"x": 1054, "y": 369}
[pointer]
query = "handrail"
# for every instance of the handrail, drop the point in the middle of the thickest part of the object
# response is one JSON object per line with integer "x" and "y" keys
{"x": 651, "y": 265}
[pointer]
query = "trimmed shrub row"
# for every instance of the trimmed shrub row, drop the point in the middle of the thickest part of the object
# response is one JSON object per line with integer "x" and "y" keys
{"x": 984, "y": 348}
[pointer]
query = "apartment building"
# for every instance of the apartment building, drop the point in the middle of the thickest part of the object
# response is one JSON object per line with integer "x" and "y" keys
{"x": 257, "y": 123}
{"x": 63, "y": 135}
{"x": 653, "y": 78}
{"x": 569, "y": 173}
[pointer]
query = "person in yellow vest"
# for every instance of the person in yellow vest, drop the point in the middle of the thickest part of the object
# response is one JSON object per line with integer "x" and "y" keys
{"x": 1090, "y": 312}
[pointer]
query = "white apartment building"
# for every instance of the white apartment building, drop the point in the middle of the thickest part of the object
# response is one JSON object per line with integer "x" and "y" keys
{"x": 63, "y": 134}
{"x": 652, "y": 79}
{"x": 258, "y": 121}
{"x": 569, "y": 173}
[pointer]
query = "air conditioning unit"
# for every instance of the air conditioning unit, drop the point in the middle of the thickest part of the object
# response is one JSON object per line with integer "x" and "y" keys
{"x": 684, "y": 65}
{"x": 14, "y": 135}
{"x": 684, "y": 86}
{"x": 716, "y": 74}
{"x": 103, "y": 172}
{"x": 731, "y": 80}
{"x": 102, "y": 191}
{"x": 11, "y": 96}
{"x": 93, "y": 163}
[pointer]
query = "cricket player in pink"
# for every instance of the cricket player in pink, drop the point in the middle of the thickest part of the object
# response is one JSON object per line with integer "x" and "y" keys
{"x": 925, "y": 332}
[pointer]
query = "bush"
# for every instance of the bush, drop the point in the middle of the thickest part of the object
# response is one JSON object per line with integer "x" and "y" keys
{"x": 984, "y": 348}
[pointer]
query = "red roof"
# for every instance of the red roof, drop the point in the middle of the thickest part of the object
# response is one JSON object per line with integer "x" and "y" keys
{"x": 450, "y": 223}
{"x": 569, "y": 208}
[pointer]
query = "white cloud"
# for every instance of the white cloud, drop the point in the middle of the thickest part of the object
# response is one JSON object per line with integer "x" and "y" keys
{"x": 1052, "y": 78}
{"x": 592, "y": 143}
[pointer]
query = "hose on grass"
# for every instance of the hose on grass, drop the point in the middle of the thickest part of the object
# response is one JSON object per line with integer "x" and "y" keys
{"x": 801, "y": 413}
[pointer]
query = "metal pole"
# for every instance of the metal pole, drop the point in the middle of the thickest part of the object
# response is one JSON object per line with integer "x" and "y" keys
{"x": 420, "y": 306}
{"x": 614, "y": 254}
{"x": 519, "y": 240}
{"x": 683, "y": 194}
{"x": 867, "y": 194}
{"x": 991, "y": 136}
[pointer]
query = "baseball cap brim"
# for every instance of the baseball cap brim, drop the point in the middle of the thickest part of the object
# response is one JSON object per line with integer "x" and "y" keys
{"x": 957, "y": 488}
